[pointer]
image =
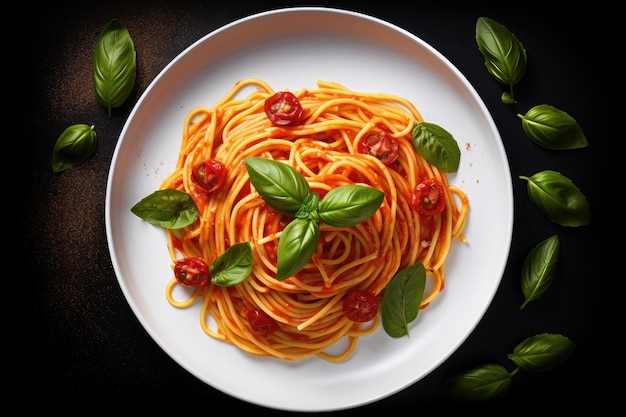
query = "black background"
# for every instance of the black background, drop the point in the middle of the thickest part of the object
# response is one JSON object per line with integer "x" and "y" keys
{"x": 78, "y": 337}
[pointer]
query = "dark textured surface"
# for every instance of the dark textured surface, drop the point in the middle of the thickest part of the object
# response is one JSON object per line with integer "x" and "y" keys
{"x": 82, "y": 339}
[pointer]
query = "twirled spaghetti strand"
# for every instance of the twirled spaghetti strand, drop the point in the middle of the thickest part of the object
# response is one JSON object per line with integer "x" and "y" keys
{"x": 307, "y": 306}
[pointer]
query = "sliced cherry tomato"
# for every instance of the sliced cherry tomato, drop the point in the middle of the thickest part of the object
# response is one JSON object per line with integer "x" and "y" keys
{"x": 209, "y": 175}
{"x": 381, "y": 145}
{"x": 360, "y": 305}
{"x": 283, "y": 109}
{"x": 428, "y": 197}
{"x": 260, "y": 323}
{"x": 191, "y": 272}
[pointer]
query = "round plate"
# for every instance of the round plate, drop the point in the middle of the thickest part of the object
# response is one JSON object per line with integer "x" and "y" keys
{"x": 291, "y": 49}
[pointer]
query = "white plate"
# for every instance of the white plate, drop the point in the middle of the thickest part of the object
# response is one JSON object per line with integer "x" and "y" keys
{"x": 292, "y": 48}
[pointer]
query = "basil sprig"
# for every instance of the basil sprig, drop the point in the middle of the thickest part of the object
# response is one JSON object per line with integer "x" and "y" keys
{"x": 402, "y": 299}
{"x": 436, "y": 145}
{"x": 114, "y": 66}
{"x": 552, "y": 128}
{"x": 558, "y": 198}
{"x": 537, "y": 353}
{"x": 505, "y": 56}
{"x": 284, "y": 189}
{"x": 539, "y": 269}
{"x": 73, "y": 147}
{"x": 168, "y": 208}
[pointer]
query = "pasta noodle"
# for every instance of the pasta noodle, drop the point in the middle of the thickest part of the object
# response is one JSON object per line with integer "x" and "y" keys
{"x": 308, "y": 306}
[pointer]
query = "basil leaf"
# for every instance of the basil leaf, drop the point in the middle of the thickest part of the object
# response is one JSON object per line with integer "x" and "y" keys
{"x": 505, "y": 56}
{"x": 349, "y": 205}
{"x": 485, "y": 382}
{"x": 280, "y": 185}
{"x": 507, "y": 97}
{"x": 558, "y": 198}
{"x": 437, "y": 145}
{"x": 402, "y": 299}
{"x": 73, "y": 147}
{"x": 552, "y": 128}
{"x": 296, "y": 246}
{"x": 542, "y": 352}
{"x": 114, "y": 66}
{"x": 233, "y": 266}
{"x": 168, "y": 208}
{"x": 539, "y": 268}
{"x": 309, "y": 208}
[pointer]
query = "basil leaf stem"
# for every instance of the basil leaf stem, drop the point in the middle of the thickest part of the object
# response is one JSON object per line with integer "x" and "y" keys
{"x": 402, "y": 299}
{"x": 552, "y": 128}
{"x": 309, "y": 208}
{"x": 539, "y": 269}
{"x": 437, "y": 145}
{"x": 505, "y": 56}
{"x": 558, "y": 198}
{"x": 114, "y": 66}
{"x": 168, "y": 208}
{"x": 73, "y": 147}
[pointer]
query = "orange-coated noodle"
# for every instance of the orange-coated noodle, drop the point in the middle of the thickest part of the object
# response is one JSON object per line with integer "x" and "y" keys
{"x": 323, "y": 148}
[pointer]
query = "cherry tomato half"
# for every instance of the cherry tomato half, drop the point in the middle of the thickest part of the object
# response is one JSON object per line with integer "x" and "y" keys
{"x": 191, "y": 272}
{"x": 428, "y": 197}
{"x": 360, "y": 305}
{"x": 283, "y": 109}
{"x": 209, "y": 175}
{"x": 381, "y": 145}
{"x": 260, "y": 323}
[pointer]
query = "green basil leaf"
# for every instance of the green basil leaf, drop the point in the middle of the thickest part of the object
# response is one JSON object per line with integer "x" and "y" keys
{"x": 402, "y": 299}
{"x": 168, "y": 208}
{"x": 485, "y": 382}
{"x": 73, "y": 147}
{"x": 539, "y": 269}
{"x": 280, "y": 185}
{"x": 437, "y": 145}
{"x": 114, "y": 66}
{"x": 233, "y": 266}
{"x": 309, "y": 208}
{"x": 296, "y": 247}
{"x": 349, "y": 205}
{"x": 558, "y": 198}
{"x": 507, "y": 98}
{"x": 552, "y": 128}
{"x": 505, "y": 56}
{"x": 542, "y": 352}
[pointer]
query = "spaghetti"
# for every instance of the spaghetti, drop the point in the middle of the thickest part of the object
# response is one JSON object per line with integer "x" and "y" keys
{"x": 307, "y": 307}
